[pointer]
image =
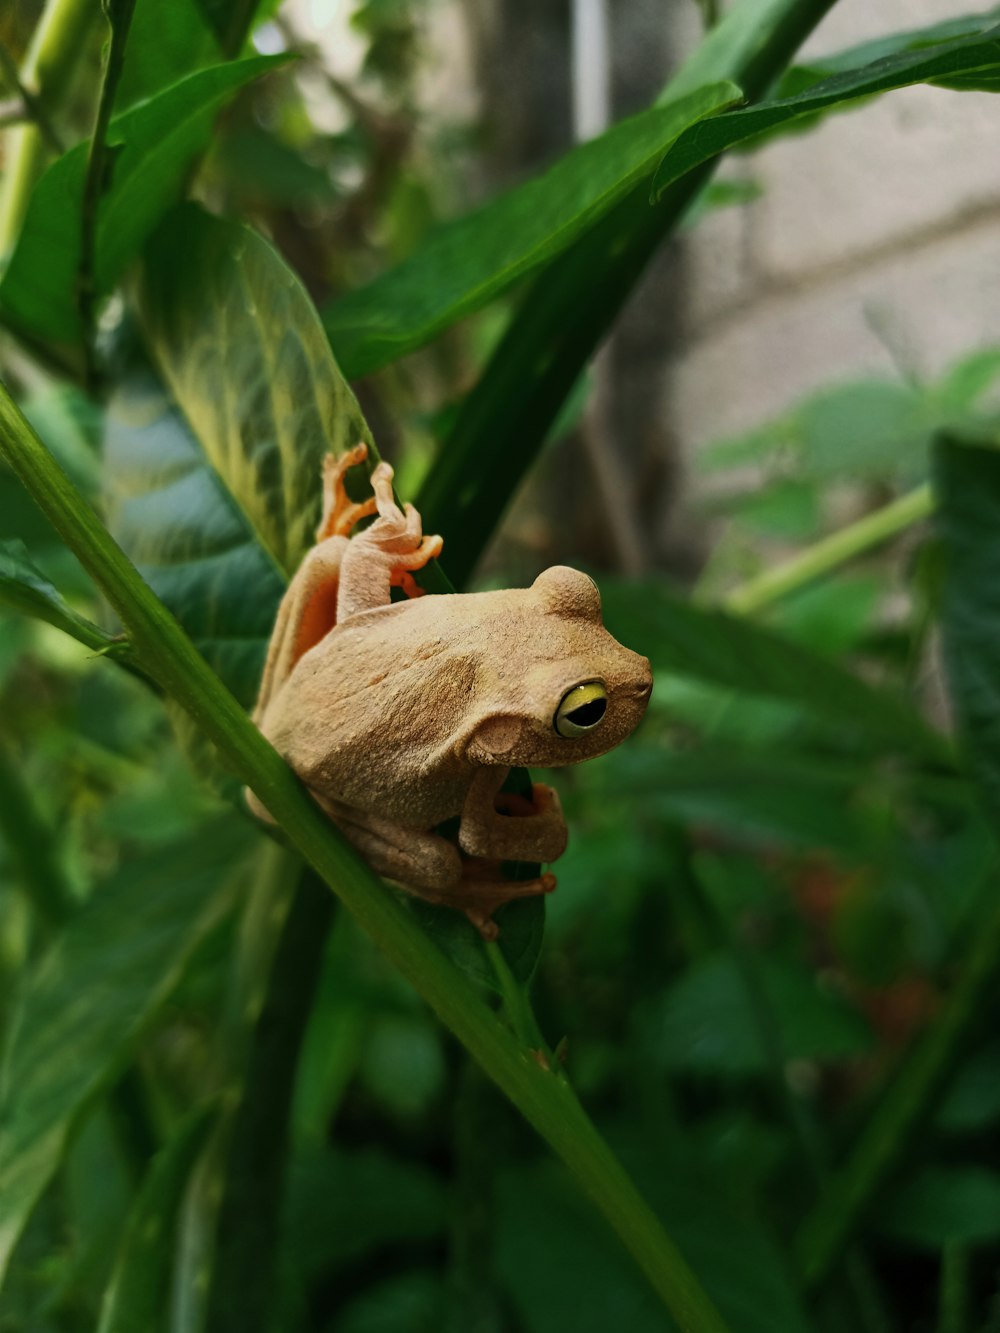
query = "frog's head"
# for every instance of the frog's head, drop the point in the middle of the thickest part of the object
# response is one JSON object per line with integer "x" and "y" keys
{"x": 579, "y": 692}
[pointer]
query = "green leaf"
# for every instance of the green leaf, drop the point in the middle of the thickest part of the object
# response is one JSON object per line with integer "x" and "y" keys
{"x": 764, "y": 800}
{"x": 866, "y": 428}
{"x": 91, "y": 996}
{"x": 706, "y": 1022}
{"x": 978, "y": 54}
{"x": 522, "y": 925}
{"x": 882, "y": 48}
{"x": 240, "y": 345}
{"x": 942, "y": 1205}
{"x": 153, "y": 145}
{"x": 967, "y": 484}
{"x": 711, "y": 645}
{"x": 140, "y": 1285}
{"x": 469, "y": 262}
{"x": 190, "y": 540}
{"x": 25, "y": 589}
{"x": 166, "y": 43}
{"x": 346, "y": 1206}
{"x": 972, "y": 1101}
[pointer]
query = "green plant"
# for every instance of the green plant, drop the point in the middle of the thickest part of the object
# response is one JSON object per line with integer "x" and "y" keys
{"x": 187, "y": 1014}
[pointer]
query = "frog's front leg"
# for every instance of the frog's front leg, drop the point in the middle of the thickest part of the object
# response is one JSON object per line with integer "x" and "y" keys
{"x": 383, "y": 554}
{"x": 519, "y": 830}
{"x": 308, "y": 609}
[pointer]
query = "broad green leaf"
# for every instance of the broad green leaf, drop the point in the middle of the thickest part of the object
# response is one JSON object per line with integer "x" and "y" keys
{"x": 153, "y": 146}
{"x": 706, "y": 1021}
{"x": 711, "y": 645}
{"x": 190, "y": 540}
{"x": 770, "y": 799}
{"x": 240, "y": 345}
{"x": 140, "y": 1285}
{"x": 972, "y": 1101}
{"x": 165, "y": 44}
{"x": 367, "y": 1200}
{"x": 25, "y": 589}
{"x": 469, "y": 262}
{"x": 977, "y": 55}
{"x": 939, "y": 1205}
{"x": 91, "y": 996}
{"x": 967, "y": 484}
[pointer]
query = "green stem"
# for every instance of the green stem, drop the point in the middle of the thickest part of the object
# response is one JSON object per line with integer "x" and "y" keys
{"x": 28, "y": 105}
{"x": 517, "y": 1003}
{"x": 51, "y": 60}
{"x": 826, "y": 555}
{"x": 169, "y": 656}
{"x": 901, "y": 1112}
{"x": 953, "y": 1290}
{"x": 120, "y": 18}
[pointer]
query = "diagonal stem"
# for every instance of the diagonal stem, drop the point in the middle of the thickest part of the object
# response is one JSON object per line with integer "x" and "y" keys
{"x": 546, "y": 1101}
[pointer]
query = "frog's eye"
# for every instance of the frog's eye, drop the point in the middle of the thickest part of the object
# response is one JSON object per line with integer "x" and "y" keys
{"x": 581, "y": 710}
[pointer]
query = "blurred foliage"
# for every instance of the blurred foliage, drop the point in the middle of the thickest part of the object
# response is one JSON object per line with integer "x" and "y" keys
{"x": 774, "y": 950}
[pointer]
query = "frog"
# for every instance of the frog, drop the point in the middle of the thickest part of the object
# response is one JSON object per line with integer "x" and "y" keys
{"x": 402, "y": 716}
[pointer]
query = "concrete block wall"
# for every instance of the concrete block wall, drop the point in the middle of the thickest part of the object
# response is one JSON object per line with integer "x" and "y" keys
{"x": 876, "y": 241}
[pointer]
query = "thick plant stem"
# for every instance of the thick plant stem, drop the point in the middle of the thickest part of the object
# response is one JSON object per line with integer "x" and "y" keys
{"x": 826, "y": 555}
{"x": 51, "y": 60}
{"x": 901, "y": 1111}
{"x": 168, "y": 655}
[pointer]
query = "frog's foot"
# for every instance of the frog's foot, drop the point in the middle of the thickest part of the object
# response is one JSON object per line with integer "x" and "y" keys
{"x": 485, "y": 896}
{"x": 340, "y": 513}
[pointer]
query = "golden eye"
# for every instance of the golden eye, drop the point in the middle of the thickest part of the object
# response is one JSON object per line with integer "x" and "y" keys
{"x": 581, "y": 710}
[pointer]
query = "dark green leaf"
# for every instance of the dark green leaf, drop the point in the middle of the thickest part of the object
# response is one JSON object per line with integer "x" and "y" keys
{"x": 978, "y": 54}
{"x": 697, "y": 641}
{"x": 191, "y": 541}
{"x": 155, "y": 142}
{"x": 941, "y": 1205}
{"x": 522, "y": 924}
{"x": 967, "y": 483}
{"x": 707, "y": 1023}
{"x": 140, "y": 1285}
{"x": 345, "y": 1206}
{"x": 25, "y": 589}
{"x": 91, "y": 996}
{"x": 972, "y": 1102}
{"x": 764, "y": 800}
{"x": 166, "y": 43}
{"x": 473, "y": 260}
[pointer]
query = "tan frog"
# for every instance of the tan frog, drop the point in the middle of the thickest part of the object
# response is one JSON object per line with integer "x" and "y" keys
{"x": 399, "y": 716}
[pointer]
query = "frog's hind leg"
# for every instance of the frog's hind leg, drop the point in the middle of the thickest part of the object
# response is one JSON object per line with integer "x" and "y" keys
{"x": 430, "y": 867}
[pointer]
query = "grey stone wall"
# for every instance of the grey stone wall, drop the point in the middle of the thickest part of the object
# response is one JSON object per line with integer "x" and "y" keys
{"x": 875, "y": 244}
